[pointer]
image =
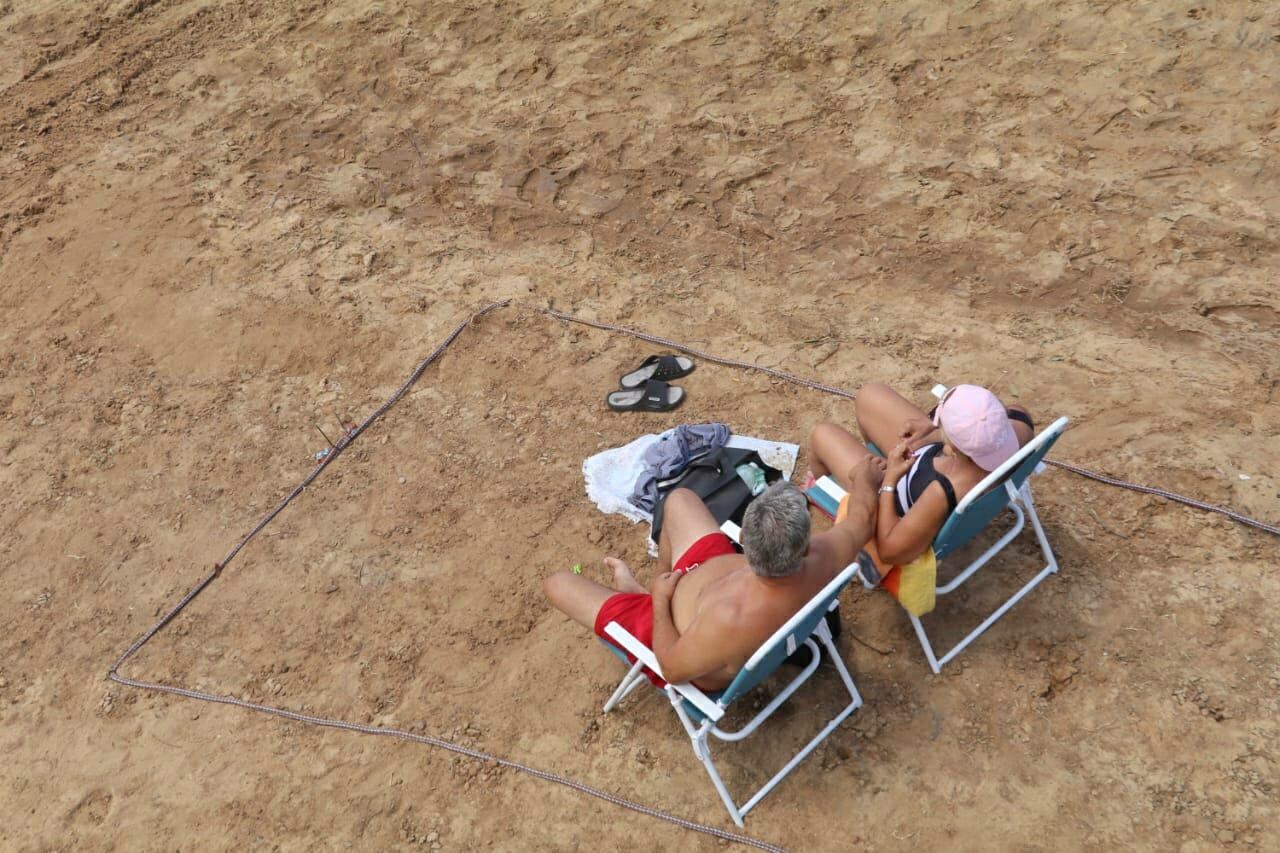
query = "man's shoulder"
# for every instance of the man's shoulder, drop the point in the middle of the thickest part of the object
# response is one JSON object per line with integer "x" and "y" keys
{"x": 823, "y": 558}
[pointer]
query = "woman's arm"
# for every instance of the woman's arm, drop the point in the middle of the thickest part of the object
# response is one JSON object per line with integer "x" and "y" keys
{"x": 901, "y": 540}
{"x": 897, "y": 464}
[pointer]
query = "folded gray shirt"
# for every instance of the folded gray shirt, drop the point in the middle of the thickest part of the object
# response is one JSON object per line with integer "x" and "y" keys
{"x": 671, "y": 454}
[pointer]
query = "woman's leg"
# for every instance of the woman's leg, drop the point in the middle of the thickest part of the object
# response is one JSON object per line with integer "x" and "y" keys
{"x": 833, "y": 450}
{"x": 883, "y": 413}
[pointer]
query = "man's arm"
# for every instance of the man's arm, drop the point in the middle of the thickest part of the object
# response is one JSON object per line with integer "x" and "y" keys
{"x": 707, "y": 646}
{"x": 856, "y": 526}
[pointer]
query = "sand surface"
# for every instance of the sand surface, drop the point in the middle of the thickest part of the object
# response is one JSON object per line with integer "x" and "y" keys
{"x": 224, "y": 224}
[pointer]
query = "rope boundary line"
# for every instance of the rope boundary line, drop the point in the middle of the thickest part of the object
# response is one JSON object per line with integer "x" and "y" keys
{"x": 350, "y": 436}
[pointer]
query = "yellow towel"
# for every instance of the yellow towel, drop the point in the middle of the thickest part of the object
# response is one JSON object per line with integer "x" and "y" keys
{"x": 915, "y": 584}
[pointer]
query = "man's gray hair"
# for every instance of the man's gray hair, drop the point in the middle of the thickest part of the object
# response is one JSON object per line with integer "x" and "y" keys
{"x": 775, "y": 531}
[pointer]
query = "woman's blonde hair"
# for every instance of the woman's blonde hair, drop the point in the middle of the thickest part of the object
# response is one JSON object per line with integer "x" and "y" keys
{"x": 949, "y": 443}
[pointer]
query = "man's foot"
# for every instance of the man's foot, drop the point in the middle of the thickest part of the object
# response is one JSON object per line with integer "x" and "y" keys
{"x": 808, "y": 482}
{"x": 623, "y": 580}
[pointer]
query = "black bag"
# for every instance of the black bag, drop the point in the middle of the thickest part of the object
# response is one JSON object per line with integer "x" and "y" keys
{"x": 714, "y": 478}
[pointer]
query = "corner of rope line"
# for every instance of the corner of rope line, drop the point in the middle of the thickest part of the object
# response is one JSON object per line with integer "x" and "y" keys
{"x": 492, "y": 306}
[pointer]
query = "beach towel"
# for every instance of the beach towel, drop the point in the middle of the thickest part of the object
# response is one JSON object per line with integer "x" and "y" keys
{"x": 611, "y": 475}
{"x": 914, "y": 585}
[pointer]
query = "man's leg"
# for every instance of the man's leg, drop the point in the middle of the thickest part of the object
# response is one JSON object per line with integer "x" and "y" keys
{"x": 685, "y": 520}
{"x": 581, "y": 598}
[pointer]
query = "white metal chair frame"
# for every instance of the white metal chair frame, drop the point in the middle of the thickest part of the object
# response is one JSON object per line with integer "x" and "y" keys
{"x": 1020, "y": 503}
{"x": 713, "y": 710}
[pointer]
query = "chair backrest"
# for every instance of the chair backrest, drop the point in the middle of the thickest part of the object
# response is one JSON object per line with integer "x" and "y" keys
{"x": 787, "y": 639}
{"x": 989, "y": 498}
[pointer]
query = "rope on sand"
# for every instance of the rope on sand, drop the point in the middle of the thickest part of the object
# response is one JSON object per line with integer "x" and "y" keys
{"x": 355, "y": 432}
{"x": 849, "y": 395}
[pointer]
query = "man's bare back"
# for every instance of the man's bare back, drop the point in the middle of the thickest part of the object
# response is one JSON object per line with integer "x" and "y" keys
{"x": 726, "y": 591}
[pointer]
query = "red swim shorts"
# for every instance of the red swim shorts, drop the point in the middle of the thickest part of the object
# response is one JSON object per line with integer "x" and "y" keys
{"x": 634, "y": 610}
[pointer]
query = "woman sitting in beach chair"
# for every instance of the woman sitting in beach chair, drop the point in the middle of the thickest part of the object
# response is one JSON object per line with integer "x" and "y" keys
{"x": 931, "y": 460}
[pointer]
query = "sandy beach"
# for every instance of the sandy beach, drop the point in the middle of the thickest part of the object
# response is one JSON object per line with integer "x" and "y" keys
{"x": 224, "y": 227}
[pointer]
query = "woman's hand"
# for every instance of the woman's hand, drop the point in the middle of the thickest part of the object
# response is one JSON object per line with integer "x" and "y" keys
{"x": 897, "y": 463}
{"x": 915, "y": 433}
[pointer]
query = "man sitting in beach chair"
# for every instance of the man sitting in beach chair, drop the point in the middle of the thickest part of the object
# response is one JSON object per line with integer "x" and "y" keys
{"x": 709, "y": 608}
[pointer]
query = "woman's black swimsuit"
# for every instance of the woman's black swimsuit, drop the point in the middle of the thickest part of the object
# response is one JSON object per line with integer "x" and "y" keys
{"x": 922, "y": 473}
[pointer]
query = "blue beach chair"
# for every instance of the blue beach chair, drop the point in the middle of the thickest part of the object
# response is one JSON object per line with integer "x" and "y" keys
{"x": 700, "y": 713}
{"x": 1007, "y": 487}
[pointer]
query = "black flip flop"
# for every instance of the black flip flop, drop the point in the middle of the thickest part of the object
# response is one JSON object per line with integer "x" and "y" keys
{"x": 655, "y": 396}
{"x": 663, "y": 368}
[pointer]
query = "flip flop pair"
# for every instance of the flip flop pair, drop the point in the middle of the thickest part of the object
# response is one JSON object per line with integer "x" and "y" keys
{"x": 646, "y": 388}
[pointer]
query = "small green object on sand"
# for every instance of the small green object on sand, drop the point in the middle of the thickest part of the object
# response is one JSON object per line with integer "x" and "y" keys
{"x": 577, "y": 568}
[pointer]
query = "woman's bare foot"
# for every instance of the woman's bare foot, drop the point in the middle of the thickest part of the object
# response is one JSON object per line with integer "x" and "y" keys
{"x": 623, "y": 580}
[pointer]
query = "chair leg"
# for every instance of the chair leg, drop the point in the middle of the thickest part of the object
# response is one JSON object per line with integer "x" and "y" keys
{"x": 935, "y": 663}
{"x": 1045, "y": 547}
{"x": 779, "y": 698}
{"x": 628, "y": 683}
{"x": 631, "y": 688}
{"x": 703, "y": 750}
{"x": 831, "y": 726}
{"x": 991, "y": 620}
{"x": 925, "y": 644}
{"x": 824, "y": 635}
{"x": 1019, "y": 522}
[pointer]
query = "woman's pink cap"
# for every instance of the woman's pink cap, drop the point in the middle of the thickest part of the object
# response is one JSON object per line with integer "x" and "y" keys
{"x": 976, "y": 422}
